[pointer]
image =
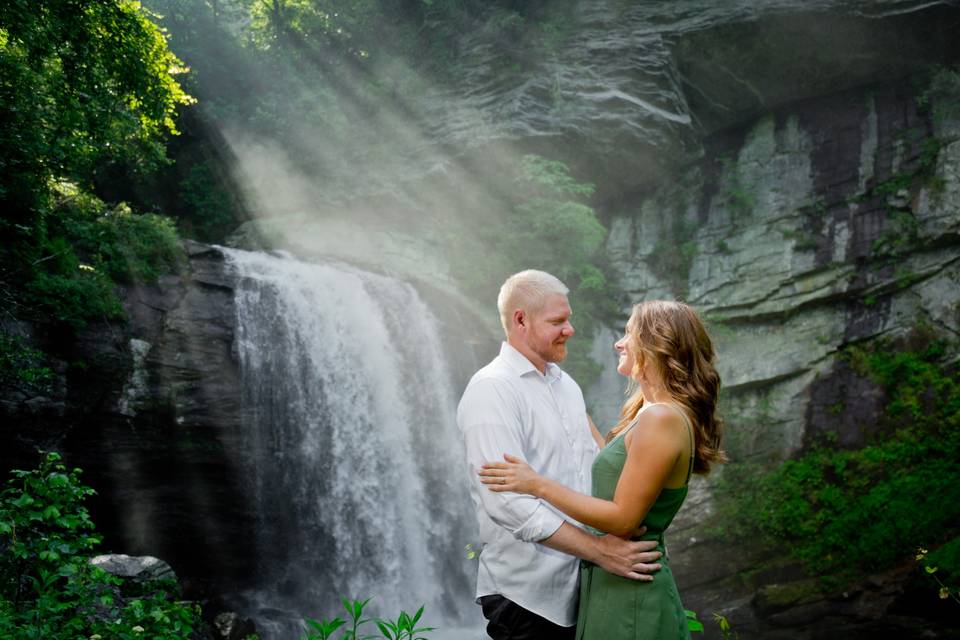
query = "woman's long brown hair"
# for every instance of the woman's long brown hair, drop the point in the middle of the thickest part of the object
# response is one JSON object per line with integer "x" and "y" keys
{"x": 670, "y": 336}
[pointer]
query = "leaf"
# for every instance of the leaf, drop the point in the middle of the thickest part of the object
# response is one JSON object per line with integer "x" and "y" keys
{"x": 25, "y": 500}
{"x": 387, "y": 629}
{"x": 722, "y": 621}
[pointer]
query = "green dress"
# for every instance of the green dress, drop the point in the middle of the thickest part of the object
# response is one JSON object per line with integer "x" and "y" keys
{"x": 615, "y": 608}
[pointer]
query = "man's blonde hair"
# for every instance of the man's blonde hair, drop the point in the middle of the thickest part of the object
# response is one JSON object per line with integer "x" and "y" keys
{"x": 527, "y": 290}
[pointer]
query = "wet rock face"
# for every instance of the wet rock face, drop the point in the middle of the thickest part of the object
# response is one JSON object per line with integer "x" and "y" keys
{"x": 150, "y": 411}
{"x": 624, "y": 92}
{"x": 164, "y": 455}
{"x": 797, "y": 244}
{"x": 732, "y": 72}
{"x": 823, "y": 224}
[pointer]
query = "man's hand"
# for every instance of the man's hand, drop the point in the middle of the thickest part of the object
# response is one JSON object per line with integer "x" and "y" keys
{"x": 627, "y": 558}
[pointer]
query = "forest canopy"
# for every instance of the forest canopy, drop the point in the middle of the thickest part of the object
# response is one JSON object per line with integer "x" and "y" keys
{"x": 84, "y": 85}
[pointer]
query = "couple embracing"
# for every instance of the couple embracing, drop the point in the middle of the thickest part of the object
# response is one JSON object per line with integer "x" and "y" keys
{"x": 571, "y": 523}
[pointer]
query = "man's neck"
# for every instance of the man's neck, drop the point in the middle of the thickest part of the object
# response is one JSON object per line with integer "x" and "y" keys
{"x": 527, "y": 353}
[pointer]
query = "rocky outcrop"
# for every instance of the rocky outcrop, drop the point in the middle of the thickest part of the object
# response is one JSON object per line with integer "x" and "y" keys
{"x": 141, "y": 570}
{"x": 823, "y": 224}
{"x": 150, "y": 411}
{"x": 624, "y": 92}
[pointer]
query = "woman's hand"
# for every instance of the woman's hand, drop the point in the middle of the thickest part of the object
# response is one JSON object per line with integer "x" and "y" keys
{"x": 513, "y": 475}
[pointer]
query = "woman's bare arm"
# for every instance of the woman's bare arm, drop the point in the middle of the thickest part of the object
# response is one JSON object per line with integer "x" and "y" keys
{"x": 655, "y": 447}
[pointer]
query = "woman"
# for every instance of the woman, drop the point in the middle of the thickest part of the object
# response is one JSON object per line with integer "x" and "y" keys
{"x": 668, "y": 429}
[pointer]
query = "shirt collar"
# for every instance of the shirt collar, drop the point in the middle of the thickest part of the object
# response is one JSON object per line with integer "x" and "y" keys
{"x": 519, "y": 363}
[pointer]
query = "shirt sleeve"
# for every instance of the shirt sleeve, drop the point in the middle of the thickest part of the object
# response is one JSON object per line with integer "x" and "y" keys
{"x": 489, "y": 417}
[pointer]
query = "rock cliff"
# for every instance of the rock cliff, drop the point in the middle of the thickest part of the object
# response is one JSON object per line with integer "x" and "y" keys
{"x": 825, "y": 223}
{"x": 149, "y": 410}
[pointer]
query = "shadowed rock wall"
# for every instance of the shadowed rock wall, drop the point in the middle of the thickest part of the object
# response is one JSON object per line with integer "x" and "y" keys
{"x": 819, "y": 225}
{"x": 150, "y": 411}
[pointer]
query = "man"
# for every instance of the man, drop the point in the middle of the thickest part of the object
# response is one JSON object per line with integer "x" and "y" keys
{"x": 523, "y": 404}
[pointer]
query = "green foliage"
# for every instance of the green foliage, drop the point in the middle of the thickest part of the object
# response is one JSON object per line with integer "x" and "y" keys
{"x": 552, "y": 178}
{"x": 942, "y": 96}
{"x": 900, "y": 235}
{"x": 947, "y": 580}
{"x": 81, "y": 84}
{"x": 128, "y": 247}
{"x": 355, "y": 611}
{"x": 211, "y": 208}
{"x": 726, "y": 630}
{"x": 48, "y": 588}
{"x": 88, "y": 247}
{"x": 735, "y": 193}
{"x": 22, "y": 366}
{"x": 547, "y": 225}
{"x": 673, "y": 254}
{"x": 323, "y": 629}
{"x": 843, "y": 513}
{"x": 403, "y": 628}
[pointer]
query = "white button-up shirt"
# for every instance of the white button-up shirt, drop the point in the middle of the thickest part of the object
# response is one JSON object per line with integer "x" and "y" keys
{"x": 510, "y": 407}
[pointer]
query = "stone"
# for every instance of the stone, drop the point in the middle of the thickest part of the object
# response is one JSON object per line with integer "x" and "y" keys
{"x": 139, "y": 569}
{"x": 232, "y": 626}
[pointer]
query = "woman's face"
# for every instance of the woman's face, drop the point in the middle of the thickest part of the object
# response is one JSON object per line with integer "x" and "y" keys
{"x": 627, "y": 357}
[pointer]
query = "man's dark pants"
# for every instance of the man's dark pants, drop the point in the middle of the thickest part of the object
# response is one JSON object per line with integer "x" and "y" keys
{"x": 507, "y": 620}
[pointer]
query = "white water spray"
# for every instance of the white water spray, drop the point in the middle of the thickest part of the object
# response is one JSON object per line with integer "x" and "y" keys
{"x": 352, "y": 450}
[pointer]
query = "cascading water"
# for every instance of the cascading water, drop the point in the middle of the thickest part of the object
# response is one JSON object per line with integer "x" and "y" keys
{"x": 353, "y": 455}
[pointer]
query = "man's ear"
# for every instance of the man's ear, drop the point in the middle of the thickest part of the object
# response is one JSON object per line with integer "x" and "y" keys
{"x": 519, "y": 318}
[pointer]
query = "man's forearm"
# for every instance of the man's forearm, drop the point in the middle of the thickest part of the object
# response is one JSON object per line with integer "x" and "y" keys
{"x": 573, "y": 541}
{"x": 625, "y": 558}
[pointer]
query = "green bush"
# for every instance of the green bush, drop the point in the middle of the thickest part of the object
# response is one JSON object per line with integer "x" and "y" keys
{"x": 87, "y": 87}
{"x": 212, "y": 212}
{"x": 22, "y": 366}
{"x": 86, "y": 248}
{"x": 843, "y": 513}
{"x": 546, "y": 224}
{"x": 85, "y": 84}
{"x": 48, "y": 588}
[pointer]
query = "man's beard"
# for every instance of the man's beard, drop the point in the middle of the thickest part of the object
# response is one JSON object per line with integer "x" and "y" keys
{"x": 554, "y": 352}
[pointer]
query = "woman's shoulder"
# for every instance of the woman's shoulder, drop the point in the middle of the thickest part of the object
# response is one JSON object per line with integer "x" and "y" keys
{"x": 661, "y": 420}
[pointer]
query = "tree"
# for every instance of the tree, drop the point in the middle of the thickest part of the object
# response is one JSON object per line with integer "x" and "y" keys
{"x": 83, "y": 83}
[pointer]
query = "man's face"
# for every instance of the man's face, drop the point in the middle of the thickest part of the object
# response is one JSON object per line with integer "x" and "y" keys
{"x": 550, "y": 328}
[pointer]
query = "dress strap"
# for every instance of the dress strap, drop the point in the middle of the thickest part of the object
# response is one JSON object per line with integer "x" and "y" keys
{"x": 686, "y": 420}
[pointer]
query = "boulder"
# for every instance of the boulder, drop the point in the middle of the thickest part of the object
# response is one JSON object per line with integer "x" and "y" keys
{"x": 232, "y": 626}
{"x": 142, "y": 570}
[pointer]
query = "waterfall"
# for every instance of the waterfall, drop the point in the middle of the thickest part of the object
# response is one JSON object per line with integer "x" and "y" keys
{"x": 352, "y": 453}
